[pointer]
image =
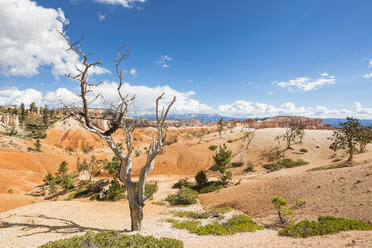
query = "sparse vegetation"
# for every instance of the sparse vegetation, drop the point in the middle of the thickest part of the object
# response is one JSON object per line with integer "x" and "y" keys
{"x": 250, "y": 167}
{"x": 290, "y": 135}
{"x": 230, "y": 141}
{"x": 182, "y": 183}
{"x": 186, "y": 196}
{"x": 303, "y": 150}
{"x": 285, "y": 214}
{"x": 324, "y": 225}
{"x": 112, "y": 239}
{"x": 238, "y": 223}
{"x": 284, "y": 163}
{"x": 213, "y": 147}
{"x": 237, "y": 164}
{"x": 191, "y": 214}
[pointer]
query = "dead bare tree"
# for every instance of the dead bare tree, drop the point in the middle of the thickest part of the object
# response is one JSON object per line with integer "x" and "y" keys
{"x": 220, "y": 126}
{"x": 136, "y": 198}
{"x": 202, "y": 132}
{"x": 248, "y": 137}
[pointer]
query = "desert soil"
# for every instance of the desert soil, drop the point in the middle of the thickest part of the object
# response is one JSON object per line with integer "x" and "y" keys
{"x": 28, "y": 221}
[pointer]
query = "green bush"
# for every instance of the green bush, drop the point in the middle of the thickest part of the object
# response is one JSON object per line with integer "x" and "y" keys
{"x": 222, "y": 210}
{"x": 284, "y": 163}
{"x": 211, "y": 187}
{"x": 250, "y": 167}
{"x": 187, "y": 196}
{"x": 48, "y": 178}
{"x": 324, "y": 225}
{"x": 201, "y": 178}
{"x": 115, "y": 192}
{"x": 79, "y": 192}
{"x": 303, "y": 150}
{"x": 237, "y": 164}
{"x": 230, "y": 141}
{"x": 212, "y": 147}
{"x": 67, "y": 182}
{"x": 191, "y": 214}
{"x": 182, "y": 182}
{"x": 336, "y": 160}
{"x": 238, "y": 223}
{"x": 112, "y": 239}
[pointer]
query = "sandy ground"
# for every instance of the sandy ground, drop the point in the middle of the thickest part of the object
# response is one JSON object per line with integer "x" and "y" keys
{"x": 342, "y": 192}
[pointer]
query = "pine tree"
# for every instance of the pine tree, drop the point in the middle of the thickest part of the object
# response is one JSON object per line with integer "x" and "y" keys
{"x": 23, "y": 113}
{"x": 222, "y": 158}
{"x": 45, "y": 116}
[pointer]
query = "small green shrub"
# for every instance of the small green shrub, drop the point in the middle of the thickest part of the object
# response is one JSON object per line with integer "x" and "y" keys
{"x": 226, "y": 176}
{"x": 187, "y": 196}
{"x": 303, "y": 150}
{"x": 211, "y": 187}
{"x": 182, "y": 183}
{"x": 201, "y": 179}
{"x": 79, "y": 192}
{"x": 48, "y": 178}
{"x": 230, "y": 141}
{"x": 115, "y": 192}
{"x": 300, "y": 202}
{"x": 237, "y": 164}
{"x": 67, "y": 182}
{"x": 336, "y": 160}
{"x": 212, "y": 147}
{"x": 10, "y": 191}
{"x": 238, "y": 223}
{"x": 170, "y": 142}
{"x": 284, "y": 163}
{"x": 159, "y": 203}
{"x": 285, "y": 214}
{"x": 324, "y": 225}
{"x": 53, "y": 186}
{"x": 191, "y": 214}
{"x": 112, "y": 239}
{"x": 250, "y": 167}
{"x": 222, "y": 210}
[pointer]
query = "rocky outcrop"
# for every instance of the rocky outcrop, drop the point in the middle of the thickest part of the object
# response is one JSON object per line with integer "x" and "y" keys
{"x": 10, "y": 120}
{"x": 287, "y": 121}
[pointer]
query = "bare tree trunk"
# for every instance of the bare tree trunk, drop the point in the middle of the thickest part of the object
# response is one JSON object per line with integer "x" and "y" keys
{"x": 136, "y": 216}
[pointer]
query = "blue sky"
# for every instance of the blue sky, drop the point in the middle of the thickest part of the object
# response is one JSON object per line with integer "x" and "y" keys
{"x": 238, "y": 58}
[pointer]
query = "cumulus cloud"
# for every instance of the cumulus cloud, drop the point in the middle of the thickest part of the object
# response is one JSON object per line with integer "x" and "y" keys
{"x": 307, "y": 84}
{"x": 133, "y": 72}
{"x": 13, "y": 96}
{"x": 368, "y": 75}
{"x": 163, "y": 61}
{"x": 144, "y": 103}
{"x": 29, "y": 40}
{"x": 146, "y": 96}
{"x": 124, "y": 3}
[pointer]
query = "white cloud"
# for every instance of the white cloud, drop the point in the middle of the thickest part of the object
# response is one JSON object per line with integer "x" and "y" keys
{"x": 133, "y": 72}
{"x": 324, "y": 74}
{"x": 369, "y": 75}
{"x": 101, "y": 17}
{"x": 29, "y": 40}
{"x": 307, "y": 84}
{"x": 13, "y": 96}
{"x": 124, "y": 3}
{"x": 163, "y": 61}
{"x": 146, "y": 96}
{"x": 270, "y": 93}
